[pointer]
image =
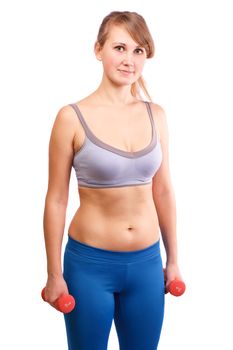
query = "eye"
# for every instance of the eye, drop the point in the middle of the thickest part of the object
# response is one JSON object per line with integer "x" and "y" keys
{"x": 117, "y": 47}
{"x": 140, "y": 51}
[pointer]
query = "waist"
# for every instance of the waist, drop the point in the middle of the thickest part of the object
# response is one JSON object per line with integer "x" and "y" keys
{"x": 122, "y": 228}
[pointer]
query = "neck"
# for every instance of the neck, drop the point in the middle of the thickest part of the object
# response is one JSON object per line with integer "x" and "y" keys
{"x": 110, "y": 94}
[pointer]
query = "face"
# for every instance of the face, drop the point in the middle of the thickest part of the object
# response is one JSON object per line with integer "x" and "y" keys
{"x": 122, "y": 58}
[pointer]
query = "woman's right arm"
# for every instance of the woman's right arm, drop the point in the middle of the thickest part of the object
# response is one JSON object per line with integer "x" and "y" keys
{"x": 60, "y": 165}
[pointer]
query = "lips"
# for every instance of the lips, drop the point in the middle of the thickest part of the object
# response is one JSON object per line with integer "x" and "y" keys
{"x": 125, "y": 71}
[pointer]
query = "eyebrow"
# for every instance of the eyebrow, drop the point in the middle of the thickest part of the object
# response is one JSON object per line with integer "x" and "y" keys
{"x": 123, "y": 44}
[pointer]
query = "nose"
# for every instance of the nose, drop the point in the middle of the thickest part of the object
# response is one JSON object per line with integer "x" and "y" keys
{"x": 128, "y": 61}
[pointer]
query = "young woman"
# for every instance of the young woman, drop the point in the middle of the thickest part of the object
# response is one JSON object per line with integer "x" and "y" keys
{"x": 117, "y": 144}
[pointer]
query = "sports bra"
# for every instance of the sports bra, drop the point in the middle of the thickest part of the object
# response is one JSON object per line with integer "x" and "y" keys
{"x": 99, "y": 165}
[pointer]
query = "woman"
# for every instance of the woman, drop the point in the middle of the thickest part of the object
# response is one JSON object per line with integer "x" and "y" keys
{"x": 118, "y": 146}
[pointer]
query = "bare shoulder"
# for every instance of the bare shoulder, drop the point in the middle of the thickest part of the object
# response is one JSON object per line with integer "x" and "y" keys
{"x": 158, "y": 112}
{"x": 66, "y": 115}
{"x": 66, "y": 122}
{"x": 63, "y": 130}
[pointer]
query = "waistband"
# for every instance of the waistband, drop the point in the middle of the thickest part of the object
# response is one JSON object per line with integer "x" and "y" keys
{"x": 94, "y": 253}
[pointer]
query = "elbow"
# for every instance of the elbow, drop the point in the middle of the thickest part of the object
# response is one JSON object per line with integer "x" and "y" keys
{"x": 56, "y": 199}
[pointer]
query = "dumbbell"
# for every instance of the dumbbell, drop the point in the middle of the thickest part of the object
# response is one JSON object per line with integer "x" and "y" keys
{"x": 175, "y": 287}
{"x": 65, "y": 303}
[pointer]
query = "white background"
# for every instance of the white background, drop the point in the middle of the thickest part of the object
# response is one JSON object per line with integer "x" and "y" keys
{"x": 47, "y": 61}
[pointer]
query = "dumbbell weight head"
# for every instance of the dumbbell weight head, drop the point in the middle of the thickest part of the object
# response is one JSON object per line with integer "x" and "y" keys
{"x": 65, "y": 303}
{"x": 176, "y": 288}
{"x": 43, "y": 294}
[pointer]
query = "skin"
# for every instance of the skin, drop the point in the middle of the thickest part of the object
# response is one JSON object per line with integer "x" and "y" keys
{"x": 155, "y": 202}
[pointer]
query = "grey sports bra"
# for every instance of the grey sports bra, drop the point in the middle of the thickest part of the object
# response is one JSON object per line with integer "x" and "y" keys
{"x": 100, "y": 165}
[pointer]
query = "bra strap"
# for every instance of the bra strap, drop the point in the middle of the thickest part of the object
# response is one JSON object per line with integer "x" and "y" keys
{"x": 79, "y": 114}
{"x": 154, "y": 129}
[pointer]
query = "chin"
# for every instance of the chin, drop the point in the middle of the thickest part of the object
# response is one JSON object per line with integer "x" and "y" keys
{"x": 125, "y": 80}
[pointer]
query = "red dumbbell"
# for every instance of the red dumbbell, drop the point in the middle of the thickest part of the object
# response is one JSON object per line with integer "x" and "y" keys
{"x": 176, "y": 287}
{"x": 65, "y": 303}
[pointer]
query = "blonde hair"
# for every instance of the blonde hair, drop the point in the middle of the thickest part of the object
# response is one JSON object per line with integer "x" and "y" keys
{"x": 138, "y": 30}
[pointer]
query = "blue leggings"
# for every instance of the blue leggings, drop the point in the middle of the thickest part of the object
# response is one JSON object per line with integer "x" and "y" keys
{"x": 125, "y": 286}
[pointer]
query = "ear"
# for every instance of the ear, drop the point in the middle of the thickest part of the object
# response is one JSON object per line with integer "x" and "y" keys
{"x": 97, "y": 50}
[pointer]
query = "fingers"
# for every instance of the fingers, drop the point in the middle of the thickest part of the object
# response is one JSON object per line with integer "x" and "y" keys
{"x": 54, "y": 304}
{"x": 49, "y": 299}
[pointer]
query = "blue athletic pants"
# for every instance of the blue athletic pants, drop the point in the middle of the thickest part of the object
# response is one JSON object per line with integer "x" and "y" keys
{"x": 127, "y": 286}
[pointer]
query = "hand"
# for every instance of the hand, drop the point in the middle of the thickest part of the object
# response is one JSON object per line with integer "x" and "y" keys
{"x": 172, "y": 273}
{"x": 55, "y": 287}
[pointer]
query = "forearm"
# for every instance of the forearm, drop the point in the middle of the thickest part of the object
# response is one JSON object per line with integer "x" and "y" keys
{"x": 54, "y": 224}
{"x": 166, "y": 209}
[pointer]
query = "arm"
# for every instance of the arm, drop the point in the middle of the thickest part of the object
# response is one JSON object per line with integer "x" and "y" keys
{"x": 60, "y": 164}
{"x": 164, "y": 198}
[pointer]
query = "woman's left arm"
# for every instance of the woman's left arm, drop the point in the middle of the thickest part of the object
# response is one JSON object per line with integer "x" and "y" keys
{"x": 164, "y": 197}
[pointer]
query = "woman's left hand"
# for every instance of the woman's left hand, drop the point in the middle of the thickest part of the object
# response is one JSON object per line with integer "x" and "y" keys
{"x": 172, "y": 273}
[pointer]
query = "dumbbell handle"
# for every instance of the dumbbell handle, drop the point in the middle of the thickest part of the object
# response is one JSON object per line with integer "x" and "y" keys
{"x": 65, "y": 303}
{"x": 175, "y": 287}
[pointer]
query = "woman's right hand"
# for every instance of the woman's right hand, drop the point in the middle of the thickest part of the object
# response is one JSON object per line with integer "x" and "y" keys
{"x": 55, "y": 287}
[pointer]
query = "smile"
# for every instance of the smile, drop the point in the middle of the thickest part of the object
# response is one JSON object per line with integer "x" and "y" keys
{"x": 125, "y": 71}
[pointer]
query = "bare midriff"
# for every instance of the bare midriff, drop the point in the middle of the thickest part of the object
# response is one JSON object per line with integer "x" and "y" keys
{"x": 120, "y": 218}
